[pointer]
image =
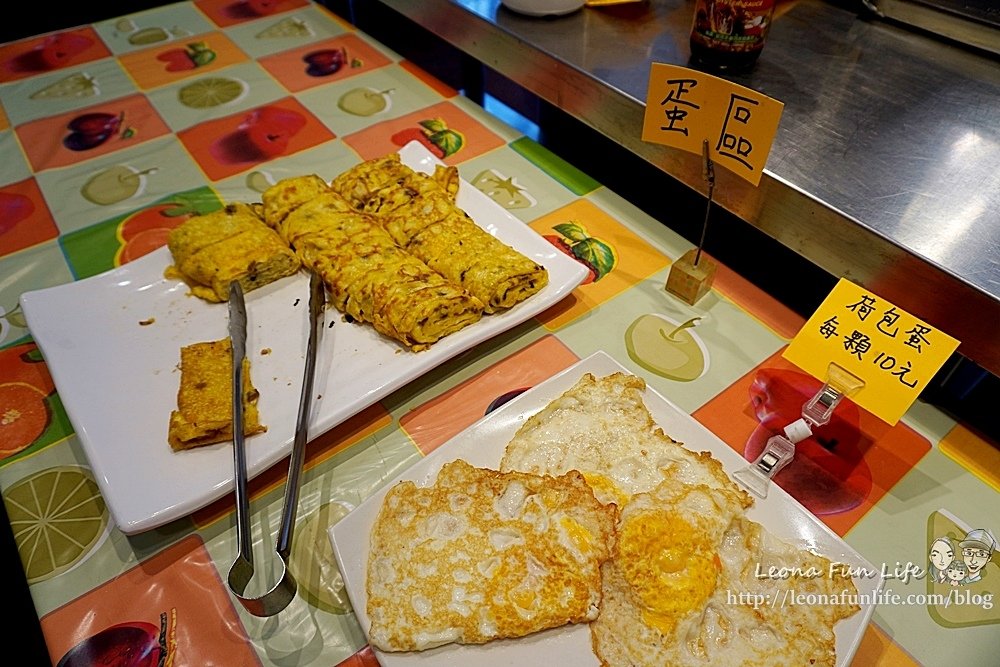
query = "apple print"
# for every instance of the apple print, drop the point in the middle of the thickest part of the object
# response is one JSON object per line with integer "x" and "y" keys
{"x": 434, "y": 135}
{"x": 177, "y": 60}
{"x": 59, "y": 49}
{"x": 263, "y": 7}
{"x": 13, "y": 209}
{"x": 268, "y": 130}
{"x": 134, "y": 643}
{"x": 194, "y": 55}
{"x": 365, "y": 101}
{"x": 504, "y": 398}
{"x": 664, "y": 347}
{"x": 404, "y": 137}
{"x": 829, "y": 473}
{"x": 90, "y": 130}
{"x": 592, "y": 252}
{"x": 142, "y": 244}
{"x": 325, "y": 62}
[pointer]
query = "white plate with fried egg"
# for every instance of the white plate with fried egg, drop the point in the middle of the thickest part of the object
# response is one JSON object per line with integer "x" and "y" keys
{"x": 484, "y": 445}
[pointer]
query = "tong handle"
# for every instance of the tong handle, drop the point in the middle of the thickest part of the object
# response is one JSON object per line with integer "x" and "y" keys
{"x": 238, "y": 341}
{"x": 291, "y": 503}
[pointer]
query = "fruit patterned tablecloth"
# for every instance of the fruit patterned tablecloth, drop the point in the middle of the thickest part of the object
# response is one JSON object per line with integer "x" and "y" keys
{"x": 114, "y": 133}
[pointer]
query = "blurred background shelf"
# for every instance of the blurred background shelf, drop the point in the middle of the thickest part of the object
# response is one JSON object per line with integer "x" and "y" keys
{"x": 885, "y": 170}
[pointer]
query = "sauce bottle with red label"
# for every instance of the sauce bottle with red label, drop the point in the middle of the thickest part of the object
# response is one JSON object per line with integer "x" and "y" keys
{"x": 728, "y": 35}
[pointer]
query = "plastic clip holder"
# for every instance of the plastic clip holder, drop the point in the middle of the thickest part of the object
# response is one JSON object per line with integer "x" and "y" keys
{"x": 819, "y": 408}
{"x": 780, "y": 449}
{"x": 756, "y": 477}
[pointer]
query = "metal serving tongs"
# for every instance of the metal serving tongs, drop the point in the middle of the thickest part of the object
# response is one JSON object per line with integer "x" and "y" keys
{"x": 241, "y": 572}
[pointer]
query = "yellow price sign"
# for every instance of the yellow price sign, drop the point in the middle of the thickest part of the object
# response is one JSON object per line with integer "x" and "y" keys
{"x": 895, "y": 353}
{"x": 685, "y": 107}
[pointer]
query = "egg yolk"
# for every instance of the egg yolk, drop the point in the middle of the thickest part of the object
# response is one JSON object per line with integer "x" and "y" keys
{"x": 604, "y": 489}
{"x": 669, "y": 565}
{"x": 580, "y": 538}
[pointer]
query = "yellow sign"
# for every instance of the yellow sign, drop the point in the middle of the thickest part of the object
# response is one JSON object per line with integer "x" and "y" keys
{"x": 684, "y": 107}
{"x": 895, "y": 353}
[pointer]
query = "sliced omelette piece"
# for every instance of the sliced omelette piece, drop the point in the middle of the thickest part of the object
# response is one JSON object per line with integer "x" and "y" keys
{"x": 288, "y": 194}
{"x": 465, "y": 253}
{"x": 204, "y": 413}
{"x": 210, "y": 251}
{"x": 602, "y": 428}
{"x": 415, "y": 213}
{"x": 402, "y": 191}
{"x": 372, "y": 279}
{"x": 482, "y": 555}
{"x": 421, "y": 214}
{"x": 360, "y": 182}
{"x": 385, "y": 182}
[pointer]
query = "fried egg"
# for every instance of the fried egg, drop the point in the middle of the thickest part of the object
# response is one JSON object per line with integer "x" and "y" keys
{"x": 482, "y": 555}
{"x": 602, "y": 428}
{"x": 666, "y": 560}
{"x": 678, "y": 591}
{"x": 685, "y": 550}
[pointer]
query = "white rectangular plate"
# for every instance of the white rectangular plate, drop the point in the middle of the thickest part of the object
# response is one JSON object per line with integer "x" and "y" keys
{"x": 483, "y": 445}
{"x": 118, "y": 379}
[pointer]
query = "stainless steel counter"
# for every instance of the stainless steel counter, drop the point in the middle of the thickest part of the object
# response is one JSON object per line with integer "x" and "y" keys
{"x": 886, "y": 165}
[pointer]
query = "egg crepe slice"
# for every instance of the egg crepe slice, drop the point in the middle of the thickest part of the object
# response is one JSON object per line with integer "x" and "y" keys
{"x": 493, "y": 272}
{"x": 372, "y": 279}
{"x": 421, "y": 215}
{"x": 232, "y": 244}
{"x": 288, "y": 194}
{"x": 201, "y": 231}
{"x": 204, "y": 413}
{"x": 413, "y": 185}
{"x": 406, "y": 219}
{"x": 383, "y": 183}
{"x": 601, "y": 427}
{"x": 482, "y": 555}
{"x": 360, "y": 182}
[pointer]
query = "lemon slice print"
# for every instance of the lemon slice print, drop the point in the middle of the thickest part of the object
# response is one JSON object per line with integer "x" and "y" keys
{"x": 57, "y": 516}
{"x": 313, "y": 564}
{"x": 211, "y": 92}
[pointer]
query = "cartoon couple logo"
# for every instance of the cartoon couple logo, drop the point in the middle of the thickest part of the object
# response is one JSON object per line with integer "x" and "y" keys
{"x": 962, "y": 562}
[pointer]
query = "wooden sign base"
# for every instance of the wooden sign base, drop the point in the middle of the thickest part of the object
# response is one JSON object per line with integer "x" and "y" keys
{"x": 689, "y": 282}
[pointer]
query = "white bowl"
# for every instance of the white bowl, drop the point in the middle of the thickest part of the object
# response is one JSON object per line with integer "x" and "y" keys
{"x": 543, "y": 7}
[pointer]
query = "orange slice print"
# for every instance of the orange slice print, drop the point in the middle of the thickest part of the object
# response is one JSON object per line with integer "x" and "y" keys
{"x": 23, "y": 417}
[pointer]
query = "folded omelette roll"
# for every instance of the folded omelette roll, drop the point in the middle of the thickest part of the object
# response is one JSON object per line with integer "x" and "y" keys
{"x": 404, "y": 191}
{"x": 405, "y": 221}
{"x": 361, "y": 181}
{"x": 202, "y": 231}
{"x": 448, "y": 178}
{"x": 313, "y": 215}
{"x": 213, "y": 250}
{"x": 382, "y": 184}
{"x": 204, "y": 413}
{"x": 490, "y": 270}
{"x": 288, "y": 194}
{"x": 373, "y": 280}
